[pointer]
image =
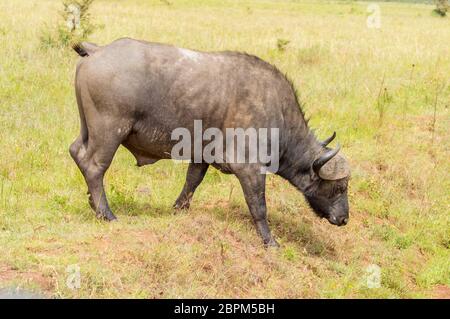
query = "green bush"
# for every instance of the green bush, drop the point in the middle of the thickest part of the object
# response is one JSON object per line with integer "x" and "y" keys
{"x": 74, "y": 25}
{"x": 442, "y": 7}
{"x": 282, "y": 44}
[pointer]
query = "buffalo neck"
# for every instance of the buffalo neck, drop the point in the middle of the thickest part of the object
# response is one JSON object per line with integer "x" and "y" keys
{"x": 301, "y": 148}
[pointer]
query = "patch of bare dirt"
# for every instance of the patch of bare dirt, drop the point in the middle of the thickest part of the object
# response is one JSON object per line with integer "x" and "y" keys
{"x": 9, "y": 274}
{"x": 441, "y": 292}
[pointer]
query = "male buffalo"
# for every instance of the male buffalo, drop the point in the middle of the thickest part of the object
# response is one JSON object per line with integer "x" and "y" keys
{"x": 136, "y": 94}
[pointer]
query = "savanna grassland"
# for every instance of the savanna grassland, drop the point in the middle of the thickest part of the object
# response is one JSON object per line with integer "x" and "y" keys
{"x": 385, "y": 91}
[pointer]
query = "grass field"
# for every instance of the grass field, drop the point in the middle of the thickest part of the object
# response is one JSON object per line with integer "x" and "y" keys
{"x": 385, "y": 91}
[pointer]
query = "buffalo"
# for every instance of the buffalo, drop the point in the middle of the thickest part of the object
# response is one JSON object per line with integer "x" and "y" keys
{"x": 136, "y": 93}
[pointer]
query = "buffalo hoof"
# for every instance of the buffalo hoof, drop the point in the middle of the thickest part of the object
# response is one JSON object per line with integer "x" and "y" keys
{"x": 181, "y": 205}
{"x": 108, "y": 216}
{"x": 272, "y": 244}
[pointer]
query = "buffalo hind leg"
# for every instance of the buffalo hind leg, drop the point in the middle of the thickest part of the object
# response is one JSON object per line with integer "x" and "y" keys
{"x": 93, "y": 160}
{"x": 194, "y": 176}
{"x": 254, "y": 185}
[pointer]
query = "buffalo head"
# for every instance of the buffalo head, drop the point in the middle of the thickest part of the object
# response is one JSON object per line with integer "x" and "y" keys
{"x": 327, "y": 194}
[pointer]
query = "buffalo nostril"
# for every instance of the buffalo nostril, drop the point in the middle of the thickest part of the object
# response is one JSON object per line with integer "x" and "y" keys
{"x": 345, "y": 221}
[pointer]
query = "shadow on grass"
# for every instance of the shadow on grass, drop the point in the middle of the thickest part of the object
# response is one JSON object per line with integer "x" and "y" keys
{"x": 121, "y": 207}
{"x": 299, "y": 231}
{"x": 288, "y": 228}
{"x": 137, "y": 209}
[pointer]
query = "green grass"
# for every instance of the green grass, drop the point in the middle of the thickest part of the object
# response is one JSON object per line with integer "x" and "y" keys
{"x": 399, "y": 191}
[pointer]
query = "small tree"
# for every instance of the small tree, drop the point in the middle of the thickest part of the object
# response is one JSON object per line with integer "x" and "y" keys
{"x": 75, "y": 25}
{"x": 78, "y": 25}
{"x": 442, "y": 7}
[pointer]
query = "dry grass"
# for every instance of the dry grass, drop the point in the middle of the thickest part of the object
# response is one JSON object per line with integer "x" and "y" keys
{"x": 399, "y": 190}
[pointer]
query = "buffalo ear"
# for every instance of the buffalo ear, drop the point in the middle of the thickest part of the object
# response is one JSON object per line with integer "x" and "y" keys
{"x": 334, "y": 169}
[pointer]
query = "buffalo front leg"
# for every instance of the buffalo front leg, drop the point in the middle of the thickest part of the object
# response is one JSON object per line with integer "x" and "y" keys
{"x": 194, "y": 176}
{"x": 93, "y": 160}
{"x": 254, "y": 185}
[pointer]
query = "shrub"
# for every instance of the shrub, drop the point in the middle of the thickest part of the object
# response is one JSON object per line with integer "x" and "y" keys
{"x": 281, "y": 44}
{"x": 442, "y": 7}
{"x": 74, "y": 25}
